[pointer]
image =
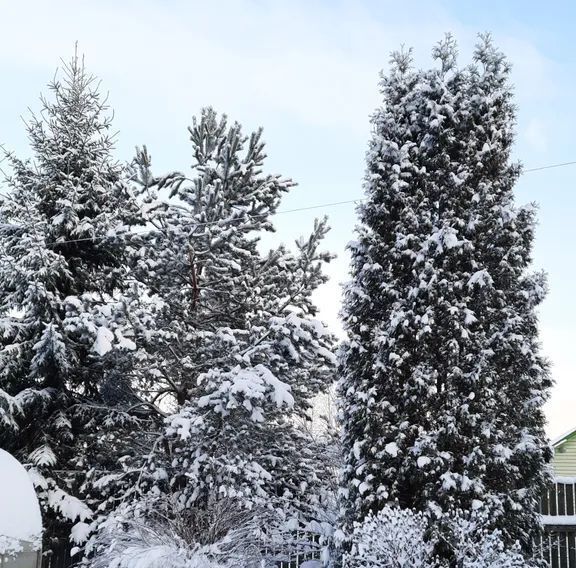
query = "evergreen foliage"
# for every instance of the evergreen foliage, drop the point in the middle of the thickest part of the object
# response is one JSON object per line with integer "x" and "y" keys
{"x": 65, "y": 343}
{"x": 237, "y": 355}
{"x": 442, "y": 381}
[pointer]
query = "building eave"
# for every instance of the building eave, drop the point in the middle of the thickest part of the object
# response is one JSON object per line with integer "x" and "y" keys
{"x": 561, "y": 439}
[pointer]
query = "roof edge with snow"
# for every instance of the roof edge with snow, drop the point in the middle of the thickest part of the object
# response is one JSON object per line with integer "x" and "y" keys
{"x": 563, "y": 438}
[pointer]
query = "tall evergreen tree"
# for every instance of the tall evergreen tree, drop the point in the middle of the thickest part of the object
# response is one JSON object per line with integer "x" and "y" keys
{"x": 239, "y": 355}
{"x": 65, "y": 345}
{"x": 442, "y": 378}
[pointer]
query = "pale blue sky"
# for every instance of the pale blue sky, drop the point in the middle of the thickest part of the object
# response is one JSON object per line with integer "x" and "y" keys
{"x": 307, "y": 71}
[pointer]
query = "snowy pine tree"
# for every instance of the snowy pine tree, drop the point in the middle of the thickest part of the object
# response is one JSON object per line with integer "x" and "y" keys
{"x": 239, "y": 355}
{"x": 442, "y": 379}
{"x": 65, "y": 348}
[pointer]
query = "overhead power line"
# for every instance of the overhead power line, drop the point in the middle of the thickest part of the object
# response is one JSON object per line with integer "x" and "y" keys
{"x": 281, "y": 212}
{"x": 550, "y": 167}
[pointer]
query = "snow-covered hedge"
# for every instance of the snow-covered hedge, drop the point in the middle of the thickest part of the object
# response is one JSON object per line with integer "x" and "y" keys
{"x": 402, "y": 538}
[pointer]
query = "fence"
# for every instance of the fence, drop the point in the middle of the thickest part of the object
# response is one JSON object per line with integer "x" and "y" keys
{"x": 291, "y": 552}
{"x": 558, "y": 509}
{"x": 560, "y": 499}
{"x": 301, "y": 546}
{"x": 558, "y": 547}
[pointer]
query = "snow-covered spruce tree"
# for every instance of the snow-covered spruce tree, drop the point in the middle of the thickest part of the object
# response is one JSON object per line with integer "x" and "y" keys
{"x": 64, "y": 225}
{"x": 442, "y": 380}
{"x": 240, "y": 355}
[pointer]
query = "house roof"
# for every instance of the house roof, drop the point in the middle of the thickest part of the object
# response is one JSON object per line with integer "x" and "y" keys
{"x": 561, "y": 439}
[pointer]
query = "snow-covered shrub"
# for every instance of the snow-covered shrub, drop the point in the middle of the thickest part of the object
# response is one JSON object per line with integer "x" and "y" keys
{"x": 218, "y": 537}
{"x": 475, "y": 546}
{"x": 143, "y": 547}
{"x": 9, "y": 546}
{"x": 394, "y": 538}
{"x": 403, "y": 538}
{"x": 489, "y": 552}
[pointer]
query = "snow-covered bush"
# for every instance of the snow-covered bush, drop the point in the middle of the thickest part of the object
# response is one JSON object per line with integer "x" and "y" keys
{"x": 403, "y": 538}
{"x": 489, "y": 552}
{"x": 219, "y": 537}
{"x": 475, "y": 546}
{"x": 151, "y": 533}
{"x": 143, "y": 547}
{"x": 9, "y": 546}
{"x": 394, "y": 538}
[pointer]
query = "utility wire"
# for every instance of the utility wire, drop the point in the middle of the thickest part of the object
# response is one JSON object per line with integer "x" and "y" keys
{"x": 157, "y": 232}
{"x": 550, "y": 167}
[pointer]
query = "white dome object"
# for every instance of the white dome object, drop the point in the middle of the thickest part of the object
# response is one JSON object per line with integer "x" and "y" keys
{"x": 19, "y": 510}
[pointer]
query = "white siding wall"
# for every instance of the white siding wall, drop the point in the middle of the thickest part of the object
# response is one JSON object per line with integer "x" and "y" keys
{"x": 564, "y": 461}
